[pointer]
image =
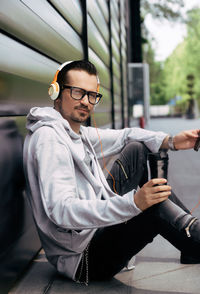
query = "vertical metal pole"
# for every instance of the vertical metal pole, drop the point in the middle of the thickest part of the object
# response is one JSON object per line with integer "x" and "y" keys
{"x": 85, "y": 39}
{"x": 111, "y": 67}
{"x": 135, "y": 44}
{"x": 84, "y": 29}
{"x": 128, "y": 25}
{"x": 121, "y": 67}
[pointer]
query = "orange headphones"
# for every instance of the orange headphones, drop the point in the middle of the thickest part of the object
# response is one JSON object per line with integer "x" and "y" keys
{"x": 54, "y": 88}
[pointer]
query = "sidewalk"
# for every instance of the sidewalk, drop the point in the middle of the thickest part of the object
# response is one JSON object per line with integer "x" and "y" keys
{"x": 158, "y": 270}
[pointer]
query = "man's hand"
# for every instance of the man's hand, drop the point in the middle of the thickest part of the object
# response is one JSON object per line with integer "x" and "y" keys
{"x": 186, "y": 139}
{"x": 150, "y": 194}
{"x": 183, "y": 140}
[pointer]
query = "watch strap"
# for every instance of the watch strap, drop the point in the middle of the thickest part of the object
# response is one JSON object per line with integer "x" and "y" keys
{"x": 171, "y": 144}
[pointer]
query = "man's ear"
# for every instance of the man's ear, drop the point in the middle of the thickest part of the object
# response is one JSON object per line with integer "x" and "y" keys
{"x": 57, "y": 103}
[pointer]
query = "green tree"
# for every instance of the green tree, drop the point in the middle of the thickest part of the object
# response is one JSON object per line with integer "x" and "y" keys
{"x": 157, "y": 86}
{"x": 163, "y": 9}
{"x": 160, "y": 9}
{"x": 185, "y": 60}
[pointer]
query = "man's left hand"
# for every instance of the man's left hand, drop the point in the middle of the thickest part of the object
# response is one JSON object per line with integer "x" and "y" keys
{"x": 185, "y": 139}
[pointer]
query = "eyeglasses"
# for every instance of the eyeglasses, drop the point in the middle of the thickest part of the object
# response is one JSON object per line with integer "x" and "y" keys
{"x": 78, "y": 94}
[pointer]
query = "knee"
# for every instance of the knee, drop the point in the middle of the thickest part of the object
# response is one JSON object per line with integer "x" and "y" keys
{"x": 136, "y": 148}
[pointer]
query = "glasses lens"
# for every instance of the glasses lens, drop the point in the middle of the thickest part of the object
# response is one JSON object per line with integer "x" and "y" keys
{"x": 98, "y": 98}
{"x": 92, "y": 97}
{"x": 77, "y": 93}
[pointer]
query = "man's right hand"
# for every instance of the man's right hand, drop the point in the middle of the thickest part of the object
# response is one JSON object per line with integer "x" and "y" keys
{"x": 152, "y": 192}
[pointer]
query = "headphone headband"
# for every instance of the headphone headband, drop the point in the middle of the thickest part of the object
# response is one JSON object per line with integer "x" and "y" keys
{"x": 54, "y": 88}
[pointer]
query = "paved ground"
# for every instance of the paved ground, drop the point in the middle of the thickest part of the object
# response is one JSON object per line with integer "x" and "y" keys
{"x": 158, "y": 270}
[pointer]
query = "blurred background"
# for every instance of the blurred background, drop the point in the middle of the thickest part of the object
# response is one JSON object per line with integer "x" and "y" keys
{"x": 170, "y": 31}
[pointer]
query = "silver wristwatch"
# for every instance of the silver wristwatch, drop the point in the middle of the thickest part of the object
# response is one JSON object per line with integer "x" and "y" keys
{"x": 171, "y": 144}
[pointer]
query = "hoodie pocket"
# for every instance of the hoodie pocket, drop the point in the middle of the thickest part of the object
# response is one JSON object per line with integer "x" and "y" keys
{"x": 63, "y": 236}
{"x": 81, "y": 238}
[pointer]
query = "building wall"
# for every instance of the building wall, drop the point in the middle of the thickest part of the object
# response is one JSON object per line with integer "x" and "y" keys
{"x": 35, "y": 38}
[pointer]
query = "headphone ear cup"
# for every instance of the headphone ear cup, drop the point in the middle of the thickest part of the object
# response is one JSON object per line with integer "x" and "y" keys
{"x": 54, "y": 90}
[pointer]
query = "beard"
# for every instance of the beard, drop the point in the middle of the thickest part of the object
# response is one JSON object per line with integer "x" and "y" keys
{"x": 79, "y": 119}
{"x": 76, "y": 116}
{"x": 80, "y": 116}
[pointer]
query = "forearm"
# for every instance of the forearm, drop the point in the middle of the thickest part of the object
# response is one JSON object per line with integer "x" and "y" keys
{"x": 75, "y": 213}
{"x": 114, "y": 140}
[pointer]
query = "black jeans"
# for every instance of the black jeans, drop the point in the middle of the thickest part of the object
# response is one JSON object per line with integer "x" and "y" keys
{"x": 112, "y": 247}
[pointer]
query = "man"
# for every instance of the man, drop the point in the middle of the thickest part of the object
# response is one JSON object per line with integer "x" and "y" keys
{"x": 88, "y": 231}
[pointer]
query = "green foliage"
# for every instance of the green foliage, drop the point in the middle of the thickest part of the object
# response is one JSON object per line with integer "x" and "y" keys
{"x": 185, "y": 60}
{"x": 160, "y": 9}
{"x": 157, "y": 85}
{"x": 169, "y": 80}
{"x": 157, "y": 94}
{"x": 169, "y": 9}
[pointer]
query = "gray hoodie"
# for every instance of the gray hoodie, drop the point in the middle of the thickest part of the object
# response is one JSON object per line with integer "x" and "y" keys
{"x": 70, "y": 202}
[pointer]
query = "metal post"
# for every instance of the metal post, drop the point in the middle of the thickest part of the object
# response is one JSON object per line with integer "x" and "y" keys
{"x": 135, "y": 44}
{"x": 84, "y": 36}
{"x": 121, "y": 68}
{"x": 111, "y": 67}
{"x": 84, "y": 29}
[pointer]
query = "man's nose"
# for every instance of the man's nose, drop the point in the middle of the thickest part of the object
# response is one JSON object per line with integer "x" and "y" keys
{"x": 85, "y": 100}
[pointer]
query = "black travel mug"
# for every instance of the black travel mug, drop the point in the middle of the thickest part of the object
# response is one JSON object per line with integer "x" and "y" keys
{"x": 158, "y": 164}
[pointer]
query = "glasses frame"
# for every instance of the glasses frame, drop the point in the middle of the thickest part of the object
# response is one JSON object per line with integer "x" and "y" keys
{"x": 98, "y": 95}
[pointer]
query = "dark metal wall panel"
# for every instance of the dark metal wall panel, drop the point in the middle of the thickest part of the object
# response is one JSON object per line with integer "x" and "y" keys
{"x": 20, "y": 60}
{"x": 123, "y": 35}
{"x": 71, "y": 10}
{"x": 98, "y": 18}
{"x": 115, "y": 42}
{"x": 115, "y": 22}
{"x": 115, "y": 17}
{"x": 124, "y": 43}
{"x": 40, "y": 26}
{"x": 117, "y": 85}
{"x": 115, "y": 34}
{"x": 115, "y": 50}
{"x": 24, "y": 77}
{"x": 98, "y": 13}
{"x": 122, "y": 27}
{"x": 102, "y": 113}
{"x": 103, "y": 5}
{"x": 102, "y": 69}
{"x": 119, "y": 47}
{"x": 18, "y": 95}
{"x": 96, "y": 42}
{"x": 116, "y": 69}
{"x": 115, "y": 8}
{"x": 54, "y": 30}
{"x": 103, "y": 110}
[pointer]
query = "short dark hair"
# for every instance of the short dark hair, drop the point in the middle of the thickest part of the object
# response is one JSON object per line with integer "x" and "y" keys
{"x": 84, "y": 65}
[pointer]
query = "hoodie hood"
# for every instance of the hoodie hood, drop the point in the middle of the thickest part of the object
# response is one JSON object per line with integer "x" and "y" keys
{"x": 47, "y": 116}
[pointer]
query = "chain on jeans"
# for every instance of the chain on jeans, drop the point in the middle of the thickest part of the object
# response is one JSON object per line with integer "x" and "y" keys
{"x": 80, "y": 271}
